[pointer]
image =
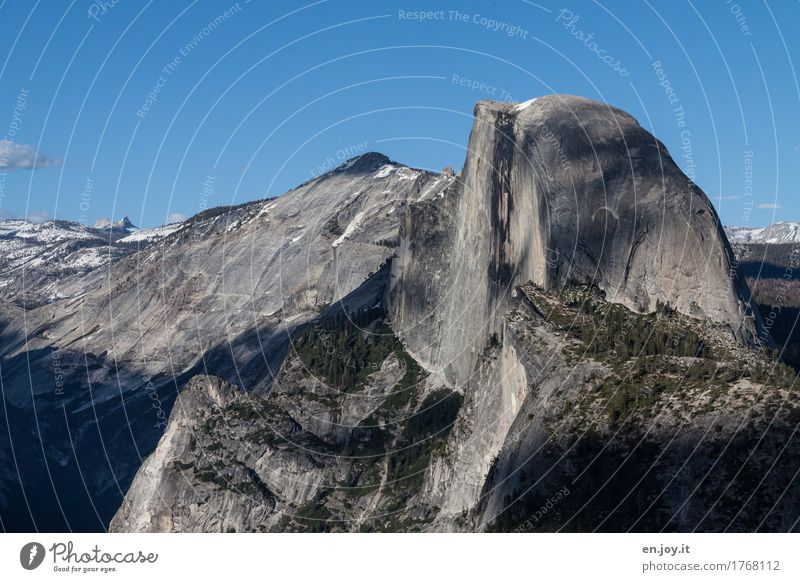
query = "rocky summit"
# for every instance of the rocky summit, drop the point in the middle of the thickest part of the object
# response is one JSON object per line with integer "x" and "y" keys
{"x": 555, "y": 338}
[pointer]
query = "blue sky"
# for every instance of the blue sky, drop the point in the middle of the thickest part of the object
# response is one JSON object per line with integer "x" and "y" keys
{"x": 255, "y": 97}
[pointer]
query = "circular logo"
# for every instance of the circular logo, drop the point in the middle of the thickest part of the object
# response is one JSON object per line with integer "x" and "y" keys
{"x": 31, "y": 555}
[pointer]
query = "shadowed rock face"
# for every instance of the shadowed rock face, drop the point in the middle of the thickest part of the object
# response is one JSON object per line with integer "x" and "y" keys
{"x": 155, "y": 509}
{"x": 556, "y": 191}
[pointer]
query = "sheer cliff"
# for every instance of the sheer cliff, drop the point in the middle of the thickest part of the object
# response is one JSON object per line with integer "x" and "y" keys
{"x": 557, "y": 190}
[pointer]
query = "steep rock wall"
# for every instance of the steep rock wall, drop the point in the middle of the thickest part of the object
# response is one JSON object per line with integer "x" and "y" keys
{"x": 558, "y": 190}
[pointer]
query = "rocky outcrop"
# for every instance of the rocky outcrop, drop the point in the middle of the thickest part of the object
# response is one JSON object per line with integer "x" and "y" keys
{"x": 610, "y": 439}
{"x": 558, "y": 190}
{"x": 153, "y": 504}
{"x": 309, "y": 450}
{"x": 122, "y": 226}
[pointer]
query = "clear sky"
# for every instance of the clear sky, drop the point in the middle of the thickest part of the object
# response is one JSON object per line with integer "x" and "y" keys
{"x": 156, "y": 110}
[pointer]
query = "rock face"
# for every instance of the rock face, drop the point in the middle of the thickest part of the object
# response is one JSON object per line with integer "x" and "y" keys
{"x": 559, "y": 427}
{"x": 559, "y": 190}
{"x": 312, "y": 448}
{"x": 116, "y": 228}
{"x": 202, "y": 397}
{"x": 606, "y": 438}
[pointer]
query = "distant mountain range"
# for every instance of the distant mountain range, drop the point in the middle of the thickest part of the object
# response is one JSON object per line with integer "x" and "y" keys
{"x": 122, "y": 225}
{"x": 778, "y": 233}
{"x": 50, "y": 260}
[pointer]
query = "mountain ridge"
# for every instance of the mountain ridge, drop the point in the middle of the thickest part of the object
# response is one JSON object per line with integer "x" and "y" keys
{"x": 781, "y": 232}
{"x": 220, "y": 293}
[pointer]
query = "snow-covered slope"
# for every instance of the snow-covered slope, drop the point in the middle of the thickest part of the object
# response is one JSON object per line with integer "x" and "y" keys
{"x": 43, "y": 262}
{"x": 778, "y": 233}
{"x": 53, "y": 231}
{"x": 58, "y": 259}
{"x": 151, "y": 234}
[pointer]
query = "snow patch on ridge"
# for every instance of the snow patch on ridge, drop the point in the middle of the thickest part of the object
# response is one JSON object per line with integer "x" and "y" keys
{"x": 149, "y": 234}
{"x": 384, "y": 171}
{"x": 354, "y": 224}
{"x": 525, "y": 104}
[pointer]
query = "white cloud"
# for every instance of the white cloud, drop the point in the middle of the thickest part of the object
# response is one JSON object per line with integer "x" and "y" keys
{"x": 15, "y": 156}
{"x": 176, "y": 217}
{"x": 769, "y": 206}
{"x": 729, "y": 197}
{"x": 35, "y": 216}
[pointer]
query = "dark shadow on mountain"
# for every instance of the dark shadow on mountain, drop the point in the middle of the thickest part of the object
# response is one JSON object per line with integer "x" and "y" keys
{"x": 723, "y": 485}
{"x": 71, "y": 448}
